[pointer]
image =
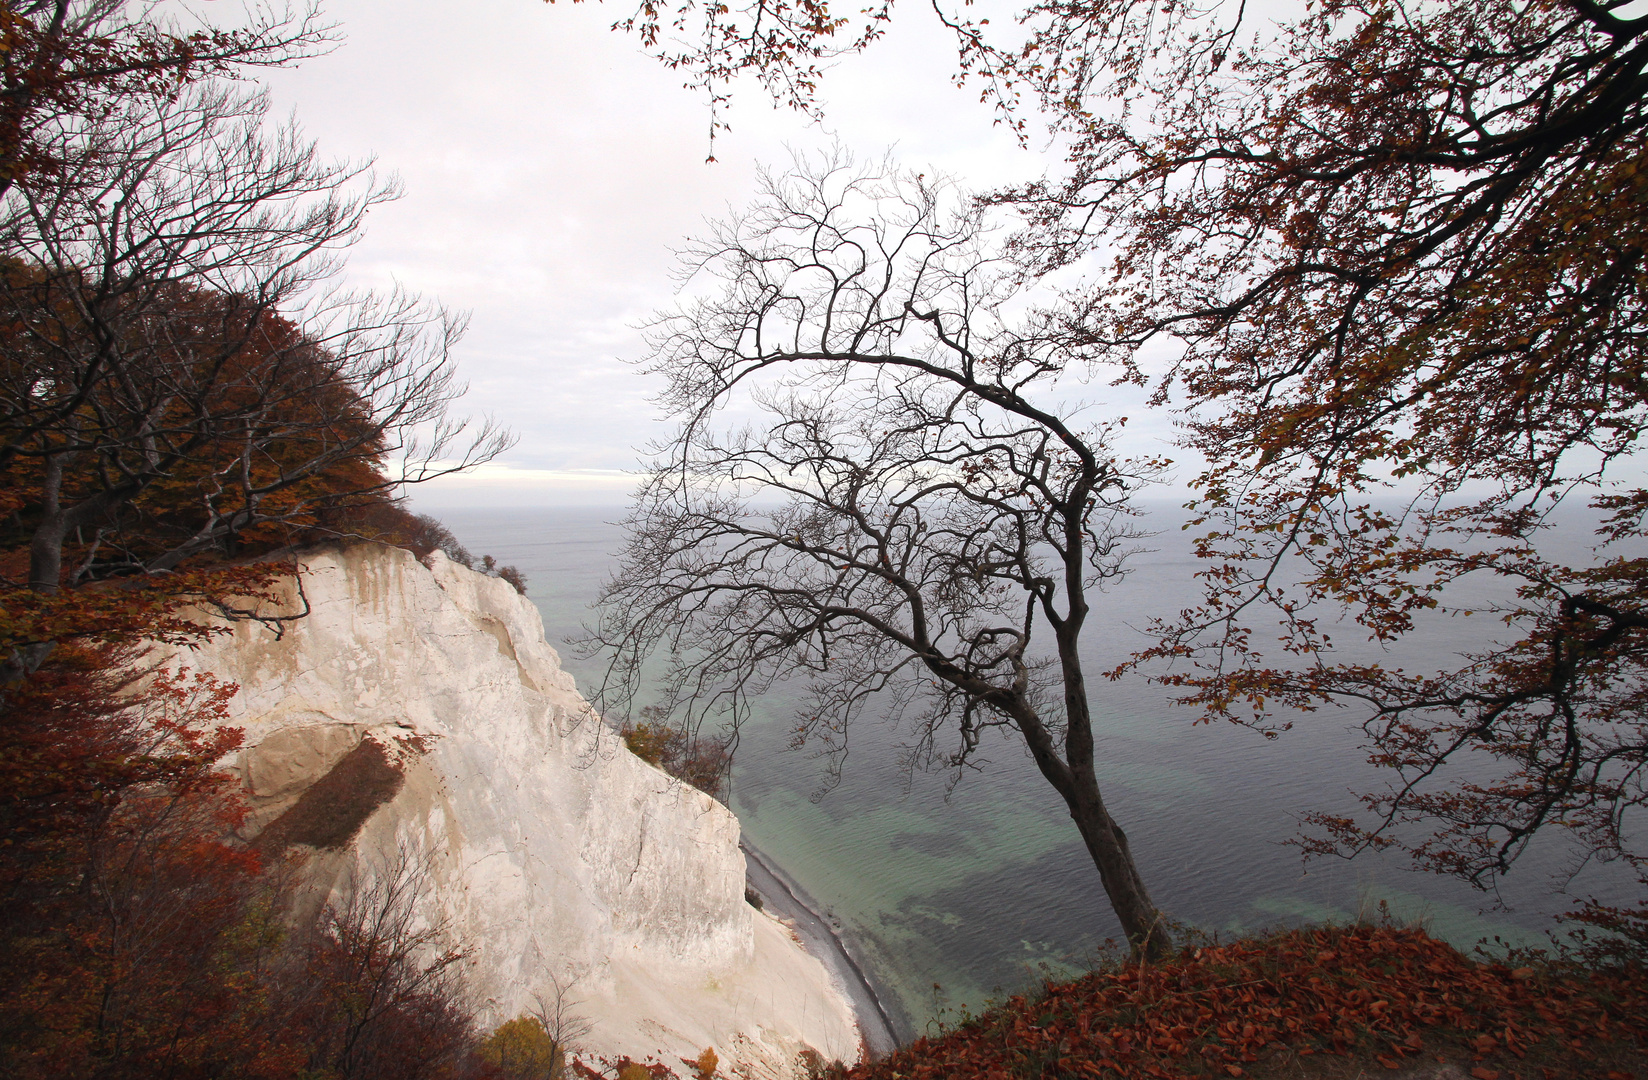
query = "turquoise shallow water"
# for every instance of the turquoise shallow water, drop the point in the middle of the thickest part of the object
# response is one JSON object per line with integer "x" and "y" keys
{"x": 986, "y": 886}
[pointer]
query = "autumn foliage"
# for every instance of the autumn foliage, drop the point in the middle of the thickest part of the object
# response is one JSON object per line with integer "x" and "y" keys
{"x": 697, "y": 759}
{"x": 135, "y": 929}
{"x": 1391, "y": 997}
{"x": 68, "y": 58}
{"x": 229, "y": 431}
{"x": 141, "y": 937}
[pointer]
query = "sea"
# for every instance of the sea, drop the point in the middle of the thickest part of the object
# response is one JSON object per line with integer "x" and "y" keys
{"x": 957, "y": 890}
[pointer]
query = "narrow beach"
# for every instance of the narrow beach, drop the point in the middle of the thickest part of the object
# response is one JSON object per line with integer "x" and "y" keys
{"x": 781, "y": 896}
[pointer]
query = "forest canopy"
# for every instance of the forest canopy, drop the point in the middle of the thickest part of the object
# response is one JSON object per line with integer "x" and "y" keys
{"x": 185, "y": 377}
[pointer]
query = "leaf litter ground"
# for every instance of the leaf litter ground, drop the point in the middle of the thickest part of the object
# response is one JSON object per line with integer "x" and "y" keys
{"x": 1322, "y": 1003}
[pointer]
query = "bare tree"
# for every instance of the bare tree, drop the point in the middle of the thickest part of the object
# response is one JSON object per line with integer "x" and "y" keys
{"x": 900, "y": 513}
{"x": 385, "y": 981}
{"x": 175, "y": 330}
{"x": 558, "y": 1014}
{"x": 1387, "y": 259}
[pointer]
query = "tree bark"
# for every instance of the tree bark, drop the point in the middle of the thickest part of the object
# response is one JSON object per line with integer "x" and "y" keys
{"x": 46, "y": 545}
{"x": 46, "y": 559}
{"x": 1146, "y": 930}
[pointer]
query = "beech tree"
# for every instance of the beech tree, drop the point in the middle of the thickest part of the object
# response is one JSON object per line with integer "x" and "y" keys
{"x": 904, "y": 515}
{"x": 1392, "y": 255}
{"x": 1398, "y": 254}
{"x": 76, "y": 57}
{"x": 134, "y": 933}
{"x": 181, "y": 368}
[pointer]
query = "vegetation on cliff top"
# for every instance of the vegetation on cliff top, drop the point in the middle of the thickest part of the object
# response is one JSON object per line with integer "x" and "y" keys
{"x": 185, "y": 388}
{"x": 1310, "y": 1003}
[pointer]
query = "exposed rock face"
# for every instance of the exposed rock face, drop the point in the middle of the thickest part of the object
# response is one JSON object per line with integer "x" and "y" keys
{"x": 419, "y": 709}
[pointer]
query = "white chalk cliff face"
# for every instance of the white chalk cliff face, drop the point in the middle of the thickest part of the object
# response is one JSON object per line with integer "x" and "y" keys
{"x": 418, "y": 708}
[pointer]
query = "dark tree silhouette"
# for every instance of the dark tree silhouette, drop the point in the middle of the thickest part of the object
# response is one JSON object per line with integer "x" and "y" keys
{"x": 1388, "y": 259}
{"x": 903, "y": 516}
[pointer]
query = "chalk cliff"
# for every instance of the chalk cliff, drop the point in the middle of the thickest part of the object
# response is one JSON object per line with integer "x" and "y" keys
{"x": 418, "y": 708}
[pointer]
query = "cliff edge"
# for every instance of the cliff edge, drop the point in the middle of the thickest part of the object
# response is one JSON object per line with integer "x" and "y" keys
{"x": 416, "y": 712}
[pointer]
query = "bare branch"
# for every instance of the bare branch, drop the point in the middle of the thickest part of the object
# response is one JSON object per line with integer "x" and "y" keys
{"x": 901, "y": 515}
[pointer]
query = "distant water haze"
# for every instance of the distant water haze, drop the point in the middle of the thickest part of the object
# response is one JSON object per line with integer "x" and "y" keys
{"x": 983, "y": 888}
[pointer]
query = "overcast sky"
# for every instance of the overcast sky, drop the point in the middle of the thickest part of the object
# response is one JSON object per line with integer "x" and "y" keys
{"x": 551, "y": 170}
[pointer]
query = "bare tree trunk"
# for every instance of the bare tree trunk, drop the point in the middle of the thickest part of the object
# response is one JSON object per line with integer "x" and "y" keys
{"x": 1146, "y": 930}
{"x": 46, "y": 545}
{"x": 46, "y": 559}
{"x": 931, "y": 508}
{"x": 45, "y": 573}
{"x": 1144, "y": 926}
{"x": 57, "y": 520}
